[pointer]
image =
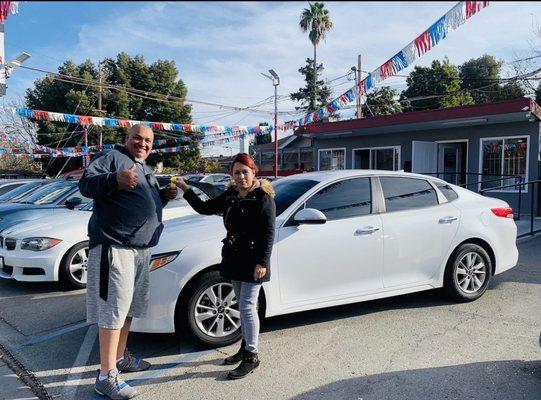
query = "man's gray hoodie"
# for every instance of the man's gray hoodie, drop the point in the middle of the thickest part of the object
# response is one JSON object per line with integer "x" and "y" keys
{"x": 125, "y": 217}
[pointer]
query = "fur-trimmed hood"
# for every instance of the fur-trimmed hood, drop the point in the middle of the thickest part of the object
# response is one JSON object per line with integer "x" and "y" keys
{"x": 264, "y": 184}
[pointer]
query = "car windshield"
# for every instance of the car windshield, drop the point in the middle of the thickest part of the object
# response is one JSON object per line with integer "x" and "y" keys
{"x": 49, "y": 193}
{"x": 20, "y": 192}
{"x": 287, "y": 191}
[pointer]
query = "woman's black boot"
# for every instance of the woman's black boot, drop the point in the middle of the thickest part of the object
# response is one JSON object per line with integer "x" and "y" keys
{"x": 237, "y": 357}
{"x": 249, "y": 363}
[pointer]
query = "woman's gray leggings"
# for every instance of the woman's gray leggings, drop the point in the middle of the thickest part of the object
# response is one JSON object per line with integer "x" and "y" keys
{"x": 247, "y": 294}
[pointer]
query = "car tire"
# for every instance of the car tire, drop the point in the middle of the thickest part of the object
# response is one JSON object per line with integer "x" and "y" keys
{"x": 73, "y": 267}
{"x": 468, "y": 273}
{"x": 203, "y": 317}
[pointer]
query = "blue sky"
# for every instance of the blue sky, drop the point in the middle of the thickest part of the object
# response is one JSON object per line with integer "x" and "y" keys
{"x": 221, "y": 48}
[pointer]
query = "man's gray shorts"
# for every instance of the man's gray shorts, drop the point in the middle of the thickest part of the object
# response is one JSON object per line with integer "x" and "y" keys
{"x": 117, "y": 285}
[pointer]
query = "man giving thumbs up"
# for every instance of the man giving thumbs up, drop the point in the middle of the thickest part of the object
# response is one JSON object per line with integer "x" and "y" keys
{"x": 126, "y": 222}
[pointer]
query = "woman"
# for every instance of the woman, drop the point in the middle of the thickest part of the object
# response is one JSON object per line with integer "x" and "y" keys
{"x": 249, "y": 212}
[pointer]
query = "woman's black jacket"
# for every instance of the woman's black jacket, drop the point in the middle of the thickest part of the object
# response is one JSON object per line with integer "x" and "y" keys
{"x": 249, "y": 222}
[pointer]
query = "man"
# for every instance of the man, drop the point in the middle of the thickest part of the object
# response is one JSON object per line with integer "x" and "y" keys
{"x": 125, "y": 224}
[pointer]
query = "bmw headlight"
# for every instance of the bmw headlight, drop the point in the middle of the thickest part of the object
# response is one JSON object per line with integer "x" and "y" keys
{"x": 39, "y": 243}
{"x": 160, "y": 260}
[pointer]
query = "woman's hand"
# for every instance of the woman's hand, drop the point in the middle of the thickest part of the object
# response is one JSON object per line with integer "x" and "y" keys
{"x": 177, "y": 180}
{"x": 259, "y": 272}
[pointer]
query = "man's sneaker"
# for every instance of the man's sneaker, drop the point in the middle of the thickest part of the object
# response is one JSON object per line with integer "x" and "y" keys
{"x": 131, "y": 364}
{"x": 114, "y": 387}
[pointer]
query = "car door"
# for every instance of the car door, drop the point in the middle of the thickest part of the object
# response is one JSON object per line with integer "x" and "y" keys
{"x": 338, "y": 259}
{"x": 417, "y": 230}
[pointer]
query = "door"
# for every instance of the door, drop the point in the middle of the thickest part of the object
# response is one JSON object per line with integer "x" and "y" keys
{"x": 338, "y": 259}
{"x": 424, "y": 157}
{"x": 449, "y": 162}
{"x": 418, "y": 231}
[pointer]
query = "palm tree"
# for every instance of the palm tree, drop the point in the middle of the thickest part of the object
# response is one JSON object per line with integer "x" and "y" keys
{"x": 317, "y": 22}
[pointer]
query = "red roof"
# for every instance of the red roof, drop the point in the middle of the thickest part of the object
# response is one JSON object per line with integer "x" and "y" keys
{"x": 476, "y": 110}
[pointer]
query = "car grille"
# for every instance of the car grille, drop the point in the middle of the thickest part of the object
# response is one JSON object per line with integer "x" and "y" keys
{"x": 10, "y": 243}
{"x": 1, "y": 242}
{"x": 7, "y": 269}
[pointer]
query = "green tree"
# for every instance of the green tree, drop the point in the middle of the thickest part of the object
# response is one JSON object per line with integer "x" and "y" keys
{"x": 317, "y": 22}
{"x": 437, "y": 86}
{"x": 382, "y": 102}
{"x": 305, "y": 94}
{"x": 51, "y": 94}
{"x": 480, "y": 77}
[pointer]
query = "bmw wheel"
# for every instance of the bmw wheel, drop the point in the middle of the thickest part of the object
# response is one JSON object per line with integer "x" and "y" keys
{"x": 468, "y": 273}
{"x": 73, "y": 268}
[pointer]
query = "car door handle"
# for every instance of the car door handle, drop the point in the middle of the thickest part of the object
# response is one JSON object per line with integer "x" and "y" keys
{"x": 367, "y": 230}
{"x": 447, "y": 220}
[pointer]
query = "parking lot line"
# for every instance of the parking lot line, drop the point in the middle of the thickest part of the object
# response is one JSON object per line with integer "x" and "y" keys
{"x": 161, "y": 370}
{"x": 53, "y": 334}
{"x": 79, "y": 366}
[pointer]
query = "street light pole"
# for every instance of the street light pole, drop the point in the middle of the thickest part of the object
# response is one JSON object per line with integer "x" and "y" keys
{"x": 275, "y": 82}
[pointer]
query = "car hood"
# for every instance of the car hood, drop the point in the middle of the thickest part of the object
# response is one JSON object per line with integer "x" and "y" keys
{"x": 180, "y": 232}
{"x": 70, "y": 225}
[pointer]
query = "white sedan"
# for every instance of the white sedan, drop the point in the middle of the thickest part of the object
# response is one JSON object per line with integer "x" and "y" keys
{"x": 55, "y": 248}
{"x": 341, "y": 237}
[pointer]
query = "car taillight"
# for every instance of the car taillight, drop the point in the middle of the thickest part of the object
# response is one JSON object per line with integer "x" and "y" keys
{"x": 504, "y": 212}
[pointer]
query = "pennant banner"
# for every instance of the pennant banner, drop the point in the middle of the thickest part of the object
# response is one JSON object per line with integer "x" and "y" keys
{"x": 438, "y": 31}
{"x": 85, "y": 120}
{"x": 7, "y": 8}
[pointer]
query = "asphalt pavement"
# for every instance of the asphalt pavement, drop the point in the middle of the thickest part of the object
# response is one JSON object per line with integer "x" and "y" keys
{"x": 419, "y": 346}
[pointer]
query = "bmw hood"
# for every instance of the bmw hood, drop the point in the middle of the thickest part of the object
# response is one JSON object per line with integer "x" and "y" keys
{"x": 67, "y": 225}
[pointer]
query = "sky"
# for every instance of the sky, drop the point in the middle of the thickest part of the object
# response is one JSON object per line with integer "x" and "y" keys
{"x": 221, "y": 48}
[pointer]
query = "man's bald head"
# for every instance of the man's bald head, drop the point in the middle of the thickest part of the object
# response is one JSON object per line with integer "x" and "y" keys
{"x": 139, "y": 141}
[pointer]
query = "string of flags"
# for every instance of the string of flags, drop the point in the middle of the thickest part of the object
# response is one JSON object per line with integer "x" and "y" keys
{"x": 7, "y": 8}
{"x": 86, "y": 120}
{"x": 438, "y": 31}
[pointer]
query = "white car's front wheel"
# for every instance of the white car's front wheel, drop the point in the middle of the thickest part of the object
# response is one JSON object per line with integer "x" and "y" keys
{"x": 73, "y": 268}
{"x": 211, "y": 312}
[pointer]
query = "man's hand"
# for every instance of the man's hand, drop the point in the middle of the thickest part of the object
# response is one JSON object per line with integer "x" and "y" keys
{"x": 171, "y": 192}
{"x": 127, "y": 179}
{"x": 177, "y": 180}
{"x": 259, "y": 272}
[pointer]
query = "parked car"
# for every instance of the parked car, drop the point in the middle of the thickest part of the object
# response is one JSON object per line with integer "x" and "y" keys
{"x": 55, "y": 247}
{"x": 341, "y": 237}
{"x": 55, "y": 196}
{"x": 24, "y": 190}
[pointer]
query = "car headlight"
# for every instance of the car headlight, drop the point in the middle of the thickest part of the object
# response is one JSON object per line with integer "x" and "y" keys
{"x": 39, "y": 243}
{"x": 160, "y": 260}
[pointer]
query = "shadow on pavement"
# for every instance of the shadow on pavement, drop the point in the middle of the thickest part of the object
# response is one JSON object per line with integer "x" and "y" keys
{"x": 513, "y": 379}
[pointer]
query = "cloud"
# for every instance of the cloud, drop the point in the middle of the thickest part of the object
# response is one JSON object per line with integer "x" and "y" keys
{"x": 221, "y": 48}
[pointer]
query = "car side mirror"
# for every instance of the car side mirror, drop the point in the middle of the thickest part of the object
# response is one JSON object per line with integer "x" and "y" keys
{"x": 310, "y": 216}
{"x": 73, "y": 202}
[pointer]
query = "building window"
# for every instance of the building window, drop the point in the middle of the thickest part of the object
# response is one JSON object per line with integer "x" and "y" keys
{"x": 384, "y": 158}
{"x": 332, "y": 159}
{"x": 503, "y": 160}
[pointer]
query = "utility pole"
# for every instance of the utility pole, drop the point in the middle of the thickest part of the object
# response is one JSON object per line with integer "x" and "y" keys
{"x": 86, "y": 158}
{"x": 100, "y": 100}
{"x": 275, "y": 82}
{"x": 358, "y": 75}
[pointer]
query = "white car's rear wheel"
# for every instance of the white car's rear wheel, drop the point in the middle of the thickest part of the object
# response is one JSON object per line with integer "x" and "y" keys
{"x": 211, "y": 311}
{"x": 74, "y": 266}
{"x": 468, "y": 273}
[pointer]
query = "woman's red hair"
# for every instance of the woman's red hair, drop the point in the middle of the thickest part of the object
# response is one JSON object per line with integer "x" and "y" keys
{"x": 244, "y": 159}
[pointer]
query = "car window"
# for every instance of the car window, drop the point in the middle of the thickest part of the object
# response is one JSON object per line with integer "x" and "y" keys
{"x": 78, "y": 194}
{"x": 8, "y": 188}
{"x": 46, "y": 193}
{"x": 447, "y": 191}
{"x": 21, "y": 191}
{"x": 289, "y": 190}
{"x": 407, "y": 193}
{"x": 344, "y": 199}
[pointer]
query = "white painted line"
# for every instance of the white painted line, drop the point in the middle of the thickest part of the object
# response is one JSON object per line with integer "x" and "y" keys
{"x": 79, "y": 366}
{"x": 52, "y": 334}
